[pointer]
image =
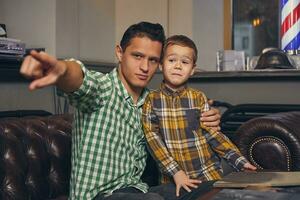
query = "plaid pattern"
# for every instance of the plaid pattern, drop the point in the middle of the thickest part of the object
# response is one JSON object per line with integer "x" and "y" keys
{"x": 179, "y": 141}
{"x": 108, "y": 144}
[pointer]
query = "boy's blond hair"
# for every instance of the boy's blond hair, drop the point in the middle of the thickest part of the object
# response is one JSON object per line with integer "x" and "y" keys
{"x": 183, "y": 41}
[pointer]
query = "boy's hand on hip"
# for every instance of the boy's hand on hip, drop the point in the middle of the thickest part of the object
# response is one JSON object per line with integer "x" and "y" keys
{"x": 182, "y": 180}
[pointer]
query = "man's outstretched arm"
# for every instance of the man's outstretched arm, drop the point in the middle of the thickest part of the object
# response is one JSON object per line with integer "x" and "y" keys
{"x": 46, "y": 70}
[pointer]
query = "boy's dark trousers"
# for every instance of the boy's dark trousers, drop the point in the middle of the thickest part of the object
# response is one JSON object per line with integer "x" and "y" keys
{"x": 164, "y": 191}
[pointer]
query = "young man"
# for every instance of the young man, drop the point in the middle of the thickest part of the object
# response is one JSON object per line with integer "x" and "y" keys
{"x": 108, "y": 145}
{"x": 186, "y": 150}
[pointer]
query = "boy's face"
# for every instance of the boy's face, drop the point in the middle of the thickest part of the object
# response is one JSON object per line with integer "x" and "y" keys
{"x": 138, "y": 62}
{"x": 178, "y": 65}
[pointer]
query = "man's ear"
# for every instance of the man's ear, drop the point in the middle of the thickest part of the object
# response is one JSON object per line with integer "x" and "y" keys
{"x": 119, "y": 52}
{"x": 160, "y": 67}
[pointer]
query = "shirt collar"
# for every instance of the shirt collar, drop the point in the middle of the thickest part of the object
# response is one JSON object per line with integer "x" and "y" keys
{"x": 122, "y": 90}
{"x": 168, "y": 91}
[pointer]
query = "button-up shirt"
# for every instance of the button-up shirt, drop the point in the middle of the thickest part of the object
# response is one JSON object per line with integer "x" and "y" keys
{"x": 179, "y": 141}
{"x": 108, "y": 144}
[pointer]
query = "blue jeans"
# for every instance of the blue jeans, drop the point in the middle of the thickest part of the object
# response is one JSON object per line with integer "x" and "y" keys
{"x": 161, "y": 192}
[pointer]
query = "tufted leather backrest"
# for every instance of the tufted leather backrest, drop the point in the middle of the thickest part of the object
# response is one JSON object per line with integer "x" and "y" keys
{"x": 272, "y": 141}
{"x": 35, "y": 155}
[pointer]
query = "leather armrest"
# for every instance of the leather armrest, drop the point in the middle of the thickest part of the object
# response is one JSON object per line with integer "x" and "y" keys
{"x": 272, "y": 141}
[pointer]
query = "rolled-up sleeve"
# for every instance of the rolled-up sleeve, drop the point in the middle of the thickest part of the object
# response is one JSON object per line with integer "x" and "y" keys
{"x": 94, "y": 91}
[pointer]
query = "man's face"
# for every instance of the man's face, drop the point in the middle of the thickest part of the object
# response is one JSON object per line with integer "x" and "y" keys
{"x": 139, "y": 62}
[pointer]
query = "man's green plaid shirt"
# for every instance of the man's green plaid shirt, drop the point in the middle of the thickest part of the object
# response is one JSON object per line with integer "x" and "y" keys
{"x": 108, "y": 144}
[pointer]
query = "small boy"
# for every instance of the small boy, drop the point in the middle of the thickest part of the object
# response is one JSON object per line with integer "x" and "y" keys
{"x": 184, "y": 148}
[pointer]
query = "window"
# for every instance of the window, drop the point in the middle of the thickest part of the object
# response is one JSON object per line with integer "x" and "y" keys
{"x": 255, "y": 25}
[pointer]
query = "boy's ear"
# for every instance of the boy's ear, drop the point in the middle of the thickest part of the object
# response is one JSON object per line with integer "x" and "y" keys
{"x": 193, "y": 70}
{"x": 119, "y": 52}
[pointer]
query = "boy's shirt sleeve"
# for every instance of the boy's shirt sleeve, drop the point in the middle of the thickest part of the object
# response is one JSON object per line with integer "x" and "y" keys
{"x": 94, "y": 91}
{"x": 221, "y": 144}
{"x": 156, "y": 145}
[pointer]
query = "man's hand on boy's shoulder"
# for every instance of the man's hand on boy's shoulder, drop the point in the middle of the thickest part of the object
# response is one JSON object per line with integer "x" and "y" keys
{"x": 211, "y": 118}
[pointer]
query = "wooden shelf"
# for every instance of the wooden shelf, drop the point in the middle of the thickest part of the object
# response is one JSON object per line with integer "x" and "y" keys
{"x": 274, "y": 74}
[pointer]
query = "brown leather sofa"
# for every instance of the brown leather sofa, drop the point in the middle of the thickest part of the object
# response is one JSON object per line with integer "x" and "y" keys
{"x": 35, "y": 154}
{"x": 35, "y": 157}
{"x": 272, "y": 142}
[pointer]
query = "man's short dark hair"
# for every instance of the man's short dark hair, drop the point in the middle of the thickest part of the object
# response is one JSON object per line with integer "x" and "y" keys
{"x": 155, "y": 32}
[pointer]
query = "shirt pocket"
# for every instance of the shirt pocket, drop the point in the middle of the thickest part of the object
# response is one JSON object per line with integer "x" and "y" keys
{"x": 192, "y": 117}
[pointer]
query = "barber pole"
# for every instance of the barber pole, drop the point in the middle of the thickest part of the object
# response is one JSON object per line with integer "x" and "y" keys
{"x": 290, "y": 26}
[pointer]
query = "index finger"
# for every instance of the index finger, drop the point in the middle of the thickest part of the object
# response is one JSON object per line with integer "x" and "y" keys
{"x": 213, "y": 111}
{"x": 195, "y": 181}
{"x": 44, "y": 58}
{"x": 215, "y": 119}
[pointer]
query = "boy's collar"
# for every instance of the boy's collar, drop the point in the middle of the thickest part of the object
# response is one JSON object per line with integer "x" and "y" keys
{"x": 169, "y": 91}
